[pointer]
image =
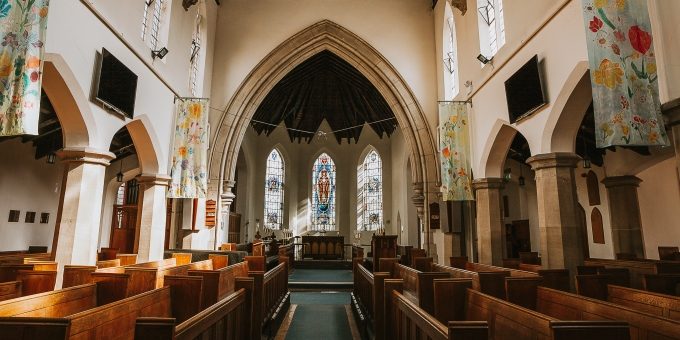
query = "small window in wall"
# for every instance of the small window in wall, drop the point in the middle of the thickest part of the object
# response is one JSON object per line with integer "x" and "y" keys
{"x": 13, "y": 216}
{"x": 370, "y": 192}
{"x": 44, "y": 218}
{"x": 593, "y": 188}
{"x": 151, "y": 22}
{"x": 273, "y": 190}
{"x": 30, "y": 217}
{"x": 194, "y": 56}
{"x": 450, "y": 56}
{"x": 491, "y": 26}
{"x": 323, "y": 193}
{"x": 597, "y": 226}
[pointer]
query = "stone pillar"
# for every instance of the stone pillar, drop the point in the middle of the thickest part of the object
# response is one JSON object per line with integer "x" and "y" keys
{"x": 558, "y": 215}
{"x": 624, "y": 212}
{"x": 489, "y": 220}
{"x": 151, "y": 216}
{"x": 671, "y": 111}
{"x": 76, "y": 234}
{"x": 226, "y": 200}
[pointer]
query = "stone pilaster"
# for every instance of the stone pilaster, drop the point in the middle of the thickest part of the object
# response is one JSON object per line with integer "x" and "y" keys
{"x": 489, "y": 220}
{"x": 624, "y": 212}
{"x": 226, "y": 200}
{"x": 151, "y": 216}
{"x": 558, "y": 220}
{"x": 671, "y": 111}
{"x": 76, "y": 234}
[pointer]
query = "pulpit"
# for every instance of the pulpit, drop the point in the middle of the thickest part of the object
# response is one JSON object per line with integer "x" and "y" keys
{"x": 324, "y": 247}
{"x": 383, "y": 247}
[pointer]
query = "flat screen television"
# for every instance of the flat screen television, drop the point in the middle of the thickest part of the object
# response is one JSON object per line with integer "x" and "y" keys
{"x": 116, "y": 85}
{"x": 523, "y": 91}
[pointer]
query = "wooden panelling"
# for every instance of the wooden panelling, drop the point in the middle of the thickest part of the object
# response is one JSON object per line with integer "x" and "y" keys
{"x": 10, "y": 290}
{"x": 57, "y": 303}
{"x": 653, "y": 303}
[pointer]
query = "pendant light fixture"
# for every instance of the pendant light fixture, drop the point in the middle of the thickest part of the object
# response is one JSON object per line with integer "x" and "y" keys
{"x": 521, "y": 178}
{"x": 119, "y": 176}
{"x": 51, "y": 158}
{"x": 586, "y": 159}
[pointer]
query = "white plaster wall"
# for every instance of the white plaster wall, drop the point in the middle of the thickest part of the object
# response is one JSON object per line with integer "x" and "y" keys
{"x": 27, "y": 184}
{"x": 299, "y": 158}
{"x": 522, "y": 204}
{"x": 597, "y": 250}
{"x": 659, "y": 197}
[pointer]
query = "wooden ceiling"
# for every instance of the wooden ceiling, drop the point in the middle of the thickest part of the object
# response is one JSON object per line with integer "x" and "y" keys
{"x": 324, "y": 87}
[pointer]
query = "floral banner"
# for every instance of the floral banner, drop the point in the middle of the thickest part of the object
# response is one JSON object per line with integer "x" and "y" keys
{"x": 22, "y": 25}
{"x": 623, "y": 73}
{"x": 454, "y": 156}
{"x": 190, "y": 150}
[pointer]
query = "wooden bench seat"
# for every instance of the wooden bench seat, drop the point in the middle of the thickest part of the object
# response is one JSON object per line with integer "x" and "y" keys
{"x": 653, "y": 303}
{"x": 662, "y": 283}
{"x": 489, "y": 282}
{"x": 368, "y": 300}
{"x": 10, "y": 290}
{"x": 511, "y": 321}
{"x": 19, "y": 256}
{"x": 35, "y": 277}
{"x": 75, "y": 275}
{"x": 552, "y": 278}
{"x": 638, "y": 268}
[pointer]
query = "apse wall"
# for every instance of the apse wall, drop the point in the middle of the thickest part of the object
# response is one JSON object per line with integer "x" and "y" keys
{"x": 27, "y": 184}
{"x": 299, "y": 158}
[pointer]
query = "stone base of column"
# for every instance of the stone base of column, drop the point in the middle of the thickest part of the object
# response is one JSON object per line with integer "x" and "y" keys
{"x": 624, "y": 210}
{"x": 489, "y": 220}
{"x": 151, "y": 216}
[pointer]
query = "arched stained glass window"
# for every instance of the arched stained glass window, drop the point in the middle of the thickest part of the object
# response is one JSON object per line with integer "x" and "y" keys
{"x": 273, "y": 190}
{"x": 370, "y": 192}
{"x": 450, "y": 55}
{"x": 323, "y": 193}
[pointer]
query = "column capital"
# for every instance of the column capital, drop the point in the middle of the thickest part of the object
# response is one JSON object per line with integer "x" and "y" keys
{"x": 487, "y": 183}
{"x": 554, "y": 160}
{"x": 621, "y": 181}
{"x": 153, "y": 179}
{"x": 86, "y": 155}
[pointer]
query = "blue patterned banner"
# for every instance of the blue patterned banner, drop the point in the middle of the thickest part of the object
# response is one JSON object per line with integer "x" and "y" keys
{"x": 190, "y": 150}
{"x": 454, "y": 155}
{"x": 22, "y": 28}
{"x": 623, "y": 73}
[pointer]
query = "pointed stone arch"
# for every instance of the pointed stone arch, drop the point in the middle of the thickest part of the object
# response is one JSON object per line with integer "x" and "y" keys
{"x": 325, "y": 36}
{"x": 496, "y": 150}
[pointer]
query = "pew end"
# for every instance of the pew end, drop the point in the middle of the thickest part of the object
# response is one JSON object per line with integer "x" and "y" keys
{"x": 450, "y": 306}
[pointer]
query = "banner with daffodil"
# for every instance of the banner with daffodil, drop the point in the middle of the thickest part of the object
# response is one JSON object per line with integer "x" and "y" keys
{"x": 188, "y": 174}
{"x": 623, "y": 73}
{"x": 454, "y": 155}
{"x": 22, "y": 27}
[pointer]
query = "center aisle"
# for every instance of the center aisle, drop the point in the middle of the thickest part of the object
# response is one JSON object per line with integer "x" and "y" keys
{"x": 319, "y": 314}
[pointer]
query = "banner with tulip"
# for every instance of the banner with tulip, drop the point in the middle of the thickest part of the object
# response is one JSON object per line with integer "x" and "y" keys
{"x": 190, "y": 149}
{"x": 454, "y": 151}
{"x": 623, "y": 73}
{"x": 22, "y": 30}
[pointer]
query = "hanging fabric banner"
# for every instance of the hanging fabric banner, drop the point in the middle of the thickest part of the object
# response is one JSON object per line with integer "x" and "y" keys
{"x": 623, "y": 73}
{"x": 190, "y": 150}
{"x": 22, "y": 26}
{"x": 454, "y": 156}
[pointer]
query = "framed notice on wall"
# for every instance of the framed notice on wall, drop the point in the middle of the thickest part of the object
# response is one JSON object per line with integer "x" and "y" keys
{"x": 210, "y": 212}
{"x": 434, "y": 216}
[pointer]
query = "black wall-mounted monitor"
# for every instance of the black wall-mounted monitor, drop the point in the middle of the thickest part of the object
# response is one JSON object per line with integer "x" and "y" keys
{"x": 523, "y": 91}
{"x": 116, "y": 86}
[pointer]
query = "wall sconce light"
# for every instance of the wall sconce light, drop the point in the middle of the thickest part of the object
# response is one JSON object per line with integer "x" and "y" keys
{"x": 119, "y": 175}
{"x": 160, "y": 54}
{"x": 586, "y": 162}
{"x": 507, "y": 175}
{"x": 484, "y": 60}
{"x": 586, "y": 159}
{"x": 51, "y": 158}
{"x": 521, "y": 180}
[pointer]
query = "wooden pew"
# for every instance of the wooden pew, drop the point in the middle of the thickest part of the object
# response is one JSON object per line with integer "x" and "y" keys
{"x": 368, "y": 300}
{"x": 79, "y": 316}
{"x": 127, "y": 259}
{"x": 182, "y": 258}
{"x": 418, "y": 285}
{"x": 19, "y": 256}
{"x": 638, "y": 268}
{"x": 256, "y": 263}
{"x": 552, "y": 278}
{"x": 36, "y": 277}
{"x": 412, "y": 323}
{"x": 653, "y": 303}
{"x": 75, "y": 275}
{"x": 10, "y": 290}
{"x": 108, "y": 263}
{"x": 271, "y": 299}
{"x": 643, "y": 325}
{"x": 219, "y": 283}
{"x": 489, "y": 282}
{"x": 510, "y": 321}
{"x": 662, "y": 283}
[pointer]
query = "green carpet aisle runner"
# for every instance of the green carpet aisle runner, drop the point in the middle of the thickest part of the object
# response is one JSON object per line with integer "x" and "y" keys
{"x": 320, "y": 315}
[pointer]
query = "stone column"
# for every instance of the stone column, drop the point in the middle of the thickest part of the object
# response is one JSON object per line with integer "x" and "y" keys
{"x": 151, "y": 216}
{"x": 558, "y": 216}
{"x": 76, "y": 233}
{"x": 227, "y": 199}
{"x": 624, "y": 212}
{"x": 489, "y": 220}
{"x": 671, "y": 111}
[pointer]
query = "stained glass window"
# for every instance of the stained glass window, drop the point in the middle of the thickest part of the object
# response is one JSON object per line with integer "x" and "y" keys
{"x": 323, "y": 193}
{"x": 154, "y": 14}
{"x": 450, "y": 56}
{"x": 491, "y": 26}
{"x": 369, "y": 192}
{"x": 194, "y": 56}
{"x": 273, "y": 190}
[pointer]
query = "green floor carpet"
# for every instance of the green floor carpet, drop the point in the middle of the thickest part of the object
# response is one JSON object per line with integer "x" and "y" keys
{"x": 316, "y": 298}
{"x": 320, "y": 275}
{"x": 319, "y": 315}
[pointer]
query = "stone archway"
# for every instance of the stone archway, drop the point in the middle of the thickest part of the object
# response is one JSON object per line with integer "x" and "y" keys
{"x": 325, "y": 36}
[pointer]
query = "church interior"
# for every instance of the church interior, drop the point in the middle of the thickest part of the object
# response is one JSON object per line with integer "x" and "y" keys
{"x": 339, "y": 169}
